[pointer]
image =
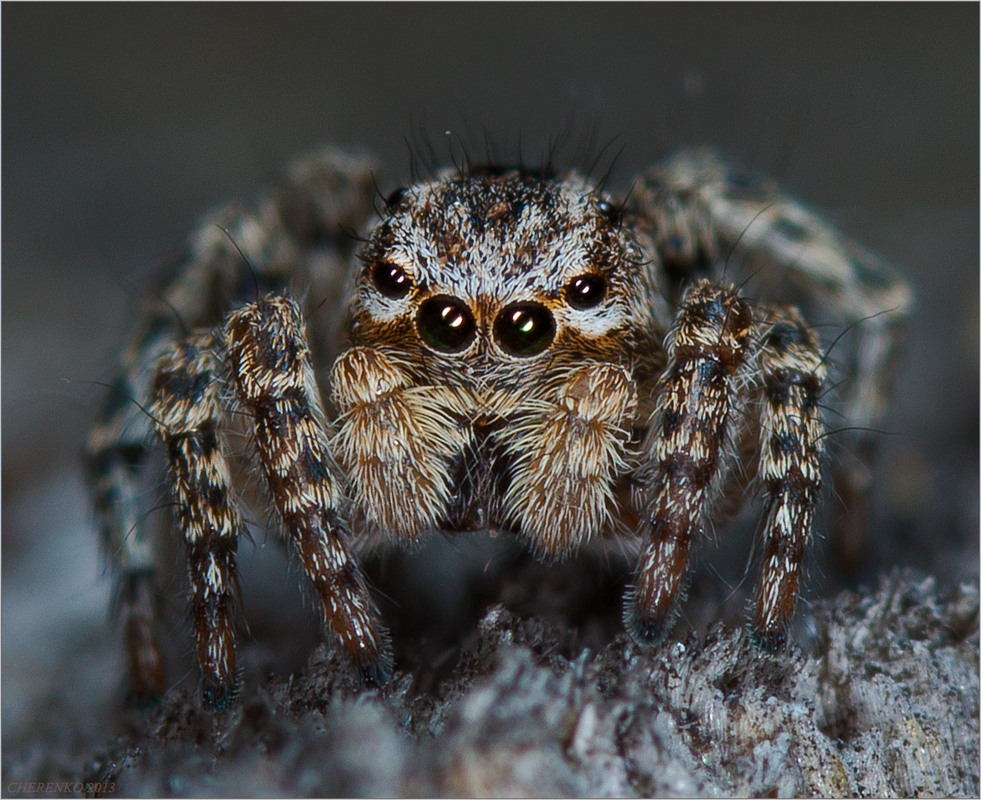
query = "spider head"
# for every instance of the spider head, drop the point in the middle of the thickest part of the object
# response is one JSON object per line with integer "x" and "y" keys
{"x": 489, "y": 272}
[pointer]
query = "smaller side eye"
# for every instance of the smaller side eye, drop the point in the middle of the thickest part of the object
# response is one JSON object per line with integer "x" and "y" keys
{"x": 611, "y": 212}
{"x": 585, "y": 291}
{"x": 394, "y": 200}
{"x": 390, "y": 279}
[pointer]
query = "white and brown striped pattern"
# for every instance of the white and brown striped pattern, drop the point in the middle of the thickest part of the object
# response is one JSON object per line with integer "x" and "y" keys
{"x": 520, "y": 352}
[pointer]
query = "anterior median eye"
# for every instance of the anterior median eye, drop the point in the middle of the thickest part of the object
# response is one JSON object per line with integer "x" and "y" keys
{"x": 446, "y": 324}
{"x": 390, "y": 279}
{"x": 585, "y": 291}
{"x": 524, "y": 329}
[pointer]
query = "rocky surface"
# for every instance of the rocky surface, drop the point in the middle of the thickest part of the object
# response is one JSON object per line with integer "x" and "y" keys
{"x": 884, "y": 702}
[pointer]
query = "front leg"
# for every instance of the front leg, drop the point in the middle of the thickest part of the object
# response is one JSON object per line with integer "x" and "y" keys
{"x": 564, "y": 457}
{"x": 273, "y": 375}
{"x": 698, "y": 399}
{"x": 324, "y": 196}
{"x": 705, "y": 213}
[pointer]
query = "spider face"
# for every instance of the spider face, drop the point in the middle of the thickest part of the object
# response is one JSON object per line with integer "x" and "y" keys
{"x": 492, "y": 275}
{"x": 520, "y": 353}
{"x": 487, "y": 295}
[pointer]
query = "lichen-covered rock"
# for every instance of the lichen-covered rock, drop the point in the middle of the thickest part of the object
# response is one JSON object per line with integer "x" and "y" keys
{"x": 884, "y": 704}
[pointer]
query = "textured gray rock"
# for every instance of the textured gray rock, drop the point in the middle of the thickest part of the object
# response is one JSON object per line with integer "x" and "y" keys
{"x": 884, "y": 703}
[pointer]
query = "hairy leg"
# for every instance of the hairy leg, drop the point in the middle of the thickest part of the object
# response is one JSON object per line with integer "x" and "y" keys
{"x": 323, "y": 197}
{"x": 187, "y": 412}
{"x": 273, "y": 376}
{"x": 793, "y": 373}
{"x": 698, "y": 400}
{"x": 705, "y": 213}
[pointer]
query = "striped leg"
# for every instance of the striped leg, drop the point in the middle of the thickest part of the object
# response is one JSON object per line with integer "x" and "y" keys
{"x": 122, "y": 436}
{"x": 703, "y": 210}
{"x": 793, "y": 373}
{"x": 324, "y": 195}
{"x": 698, "y": 398}
{"x": 186, "y": 409}
{"x": 115, "y": 453}
{"x": 272, "y": 372}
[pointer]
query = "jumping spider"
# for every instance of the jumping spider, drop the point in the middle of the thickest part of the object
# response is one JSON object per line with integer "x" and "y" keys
{"x": 521, "y": 352}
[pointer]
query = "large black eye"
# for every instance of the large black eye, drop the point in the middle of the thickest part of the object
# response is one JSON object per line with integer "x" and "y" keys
{"x": 524, "y": 329}
{"x": 446, "y": 324}
{"x": 390, "y": 279}
{"x": 585, "y": 291}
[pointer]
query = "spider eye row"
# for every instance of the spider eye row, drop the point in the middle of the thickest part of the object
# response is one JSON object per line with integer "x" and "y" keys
{"x": 524, "y": 328}
{"x": 582, "y": 292}
{"x": 447, "y": 324}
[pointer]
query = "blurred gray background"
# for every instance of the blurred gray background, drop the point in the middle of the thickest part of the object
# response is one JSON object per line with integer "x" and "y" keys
{"x": 123, "y": 123}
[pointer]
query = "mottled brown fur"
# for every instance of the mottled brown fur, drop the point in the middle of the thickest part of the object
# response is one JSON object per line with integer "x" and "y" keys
{"x": 511, "y": 350}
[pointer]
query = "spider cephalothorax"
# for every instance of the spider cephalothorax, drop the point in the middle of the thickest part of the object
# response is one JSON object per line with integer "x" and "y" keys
{"x": 511, "y": 351}
{"x": 493, "y": 309}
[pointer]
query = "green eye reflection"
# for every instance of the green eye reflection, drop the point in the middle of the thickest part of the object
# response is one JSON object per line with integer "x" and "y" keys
{"x": 446, "y": 324}
{"x": 524, "y": 329}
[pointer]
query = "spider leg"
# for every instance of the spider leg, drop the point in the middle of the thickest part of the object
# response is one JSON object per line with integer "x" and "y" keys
{"x": 273, "y": 376}
{"x": 121, "y": 439}
{"x": 697, "y": 407}
{"x": 704, "y": 212}
{"x": 323, "y": 196}
{"x": 118, "y": 446}
{"x": 793, "y": 373}
{"x": 187, "y": 413}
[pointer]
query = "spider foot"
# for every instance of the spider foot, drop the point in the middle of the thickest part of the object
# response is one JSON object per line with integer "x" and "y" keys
{"x": 142, "y": 648}
{"x": 652, "y": 603}
{"x": 645, "y": 629}
{"x": 219, "y": 696}
{"x": 767, "y": 640}
{"x": 377, "y": 673}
